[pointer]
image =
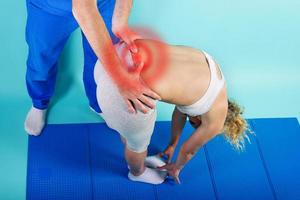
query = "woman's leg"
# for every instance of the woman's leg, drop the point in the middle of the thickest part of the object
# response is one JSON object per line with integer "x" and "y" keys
{"x": 136, "y": 161}
{"x": 136, "y": 129}
{"x": 138, "y": 171}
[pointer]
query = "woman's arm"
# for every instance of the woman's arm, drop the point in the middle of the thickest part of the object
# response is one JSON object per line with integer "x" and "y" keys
{"x": 212, "y": 125}
{"x": 178, "y": 122}
{"x": 190, "y": 147}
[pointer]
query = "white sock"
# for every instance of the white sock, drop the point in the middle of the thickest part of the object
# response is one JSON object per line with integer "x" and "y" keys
{"x": 35, "y": 121}
{"x": 154, "y": 161}
{"x": 151, "y": 176}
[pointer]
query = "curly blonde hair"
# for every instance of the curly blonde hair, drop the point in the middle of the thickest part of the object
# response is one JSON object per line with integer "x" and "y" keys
{"x": 236, "y": 127}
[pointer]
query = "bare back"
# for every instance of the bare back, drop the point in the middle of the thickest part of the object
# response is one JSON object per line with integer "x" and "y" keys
{"x": 187, "y": 74}
{"x": 186, "y": 80}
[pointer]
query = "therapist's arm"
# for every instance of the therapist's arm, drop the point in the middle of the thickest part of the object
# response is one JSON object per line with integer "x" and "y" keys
{"x": 120, "y": 24}
{"x": 130, "y": 85}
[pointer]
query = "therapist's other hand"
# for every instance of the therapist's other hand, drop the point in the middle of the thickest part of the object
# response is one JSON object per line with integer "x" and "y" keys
{"x": 137, "y": 95}
{"x": 172, "y": 170}
{"x": 127, "y": 35}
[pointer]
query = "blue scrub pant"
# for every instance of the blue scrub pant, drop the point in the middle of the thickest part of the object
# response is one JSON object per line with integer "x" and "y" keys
{"x": 46, "y": 36}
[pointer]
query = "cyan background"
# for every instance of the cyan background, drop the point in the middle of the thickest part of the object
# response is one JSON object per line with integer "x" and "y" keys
{"x": 257, "y": 43}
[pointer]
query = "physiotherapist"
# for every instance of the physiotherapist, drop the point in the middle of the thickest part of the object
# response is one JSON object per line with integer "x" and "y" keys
{"x": 103, "y": 23}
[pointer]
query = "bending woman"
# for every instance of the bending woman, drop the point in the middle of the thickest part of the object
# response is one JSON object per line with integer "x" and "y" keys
{"x": 194, "y": 83}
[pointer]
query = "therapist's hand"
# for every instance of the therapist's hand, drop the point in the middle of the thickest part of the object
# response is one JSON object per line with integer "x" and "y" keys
{"x": 136, "y": 94}
{"x": 127, "y": 35}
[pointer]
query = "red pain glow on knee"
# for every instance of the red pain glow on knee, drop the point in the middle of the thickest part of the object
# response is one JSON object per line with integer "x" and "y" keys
{"x": 155, "y": 58}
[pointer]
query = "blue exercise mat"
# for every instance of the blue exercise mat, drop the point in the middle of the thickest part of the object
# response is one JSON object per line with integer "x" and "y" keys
{"x": 237, "y": 175}
{"x": 85, "y": 161}
{"x": 59, "y": 163}
{"x": 279, "y": 145}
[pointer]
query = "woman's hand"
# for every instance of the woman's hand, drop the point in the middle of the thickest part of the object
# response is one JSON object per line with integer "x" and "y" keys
{"x": 172, "y": 170}
{"x": 168, "y": 152}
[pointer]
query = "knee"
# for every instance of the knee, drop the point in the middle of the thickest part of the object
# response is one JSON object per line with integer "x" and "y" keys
{"x": 136, "y": 148}
{"x": 138, "y": 144}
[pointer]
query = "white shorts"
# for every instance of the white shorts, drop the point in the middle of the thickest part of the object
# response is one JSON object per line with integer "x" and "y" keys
{"x": 137, "y": 128}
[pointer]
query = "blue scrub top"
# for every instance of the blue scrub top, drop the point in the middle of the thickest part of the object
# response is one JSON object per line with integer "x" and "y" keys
{"x": 61, "y": 7}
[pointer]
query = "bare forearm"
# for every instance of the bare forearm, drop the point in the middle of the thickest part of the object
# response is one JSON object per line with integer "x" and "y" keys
{"x": 182, "y": 159}
{"x": 178, "y": 122}
{"x": 121, "y": 13}
{"x": 186, "y": 154}
{"x": 92, "y": 25}
{"x": 191, "y": 146}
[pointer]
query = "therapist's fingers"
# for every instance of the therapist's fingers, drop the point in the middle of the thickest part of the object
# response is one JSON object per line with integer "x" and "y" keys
{"x": 129, "y": 38}
{"x": 132, "y": 46}
{"x": 131, "y": 41}
{"x": 150, "y": 93}
{"x": 147, "y": 91}
{"x": 139, "y": 106}
{"x": 130, "y": 106}
{"x": 147, "y": 101}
